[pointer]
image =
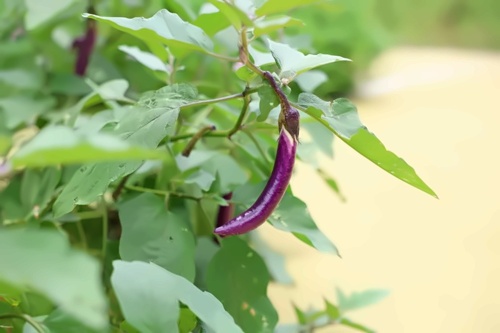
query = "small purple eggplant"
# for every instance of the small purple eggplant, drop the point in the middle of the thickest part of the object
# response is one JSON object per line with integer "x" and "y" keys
{"x": 272, "y": 193}
{"x": 84, "y": 46}
{"x": 225, "y": 212}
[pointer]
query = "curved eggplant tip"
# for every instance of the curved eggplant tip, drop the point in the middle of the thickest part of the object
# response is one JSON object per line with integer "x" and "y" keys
{"x": 272, "y": 194}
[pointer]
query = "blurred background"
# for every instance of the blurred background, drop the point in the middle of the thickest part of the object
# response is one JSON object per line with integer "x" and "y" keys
{"x": 425, "y": 77}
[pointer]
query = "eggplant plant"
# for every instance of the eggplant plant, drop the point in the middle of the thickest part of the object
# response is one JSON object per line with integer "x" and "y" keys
{"x": 142, "y": 144}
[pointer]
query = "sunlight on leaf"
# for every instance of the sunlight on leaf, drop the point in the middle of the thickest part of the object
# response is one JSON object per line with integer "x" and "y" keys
{"x": 163, "y": 27}
{"x": 292, "y": 62}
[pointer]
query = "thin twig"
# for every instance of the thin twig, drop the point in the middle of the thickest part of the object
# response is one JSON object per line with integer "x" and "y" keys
{"x": 160, "y": 192}
{"x": 118, "y": 190}
{"x": 190, "y": 145}
{"x": 105, "y": 229}
{"x": 36, "y": 325}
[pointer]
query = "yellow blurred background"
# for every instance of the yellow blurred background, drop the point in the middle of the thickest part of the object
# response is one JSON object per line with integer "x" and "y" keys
{"x": 438, "y": 109}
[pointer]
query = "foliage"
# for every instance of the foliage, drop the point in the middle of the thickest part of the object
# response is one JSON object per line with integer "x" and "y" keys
{"x": 111, "y": 182}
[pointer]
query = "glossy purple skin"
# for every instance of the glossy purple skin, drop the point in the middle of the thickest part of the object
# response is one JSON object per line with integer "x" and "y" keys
{"x": 272, "y": 193}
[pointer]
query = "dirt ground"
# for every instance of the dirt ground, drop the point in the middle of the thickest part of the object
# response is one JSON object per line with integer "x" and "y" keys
{"x": 440, "y": 259}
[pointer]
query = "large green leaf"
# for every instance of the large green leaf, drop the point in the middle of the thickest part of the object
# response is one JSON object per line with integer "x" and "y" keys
{"x": 280, "y": 6}
{"x": 56, "y": 145}
{"x": 145, "y": 125}
{"x": 151, "y": 234}
{"x": 238, "y": 277}
{"x": 43, "y": 261}
{"x": 293, "y": 62}
{"x": 341, "y": 117}
{"x": 149, "y": 295}
{"x": 163, "y": 27}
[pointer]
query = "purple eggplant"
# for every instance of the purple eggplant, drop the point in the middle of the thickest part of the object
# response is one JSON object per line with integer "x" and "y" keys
{"x": 272, "y": 193}
{"x": 84, "y": 46}
{"x": 225, "y": 212}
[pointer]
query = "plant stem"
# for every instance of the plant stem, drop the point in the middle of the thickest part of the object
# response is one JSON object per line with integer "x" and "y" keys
{"x": 160, "y": 192}
{"x": 244, "y": 54}
{"x": 190, "y": 145}
{"x": 88, "y": 215}
{"x": 118, "y": 190}
{"x": 105, "y": 229}
{"x": 81, "y": 234}
{"x": 222, "y": 57}
{"x": 245, "y": 94}
{"x": 39, "y": 328}
{"x": 244, "y": 108}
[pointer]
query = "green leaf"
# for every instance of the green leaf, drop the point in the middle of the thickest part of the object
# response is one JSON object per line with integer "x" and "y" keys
{"x": 311, "y": 80}
{"x": 43, "y": 261}
{"x": 292, "y": 215}
{"x": 271, "y": 24}
{"x": 233, "y": 14}
{"x": 274, "y": 260}
{"x": 238, "y": 277}
{"x": 260, "y": 58}
{"x": 280, "y": 6}
{"x": 356, "y": 326}
{"x": 292, "y": 62}
{"x": 163, "y": 27}
{"x": 47, "y": 149}
{"x": 360, "y": 299}
{"x": 21, "y": 78}
{"x": 301, "y": 316}
{"x": 187, "y": 321}
{"x": 151, "y": 234}
{"x": 39, "y": 13}
{"x": 23, "y": 109}
{"x": 59, "y": 322}
{"x": 38, "y": 186}
{"x": 342, "y": 119}
{"x": 201, "y": 178}
{"x": 318, "y": 141}
{"x": 331, "y": 310}
{"x": 268, "y": 101}
{"x": 212, "y": 23}
{"x": 145, "y": 125}
{"x": 205, "y": 250}
{"x": 149, "y": 295}
{"x": 332, "y": 183}
{"x": 145, "y": 58}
